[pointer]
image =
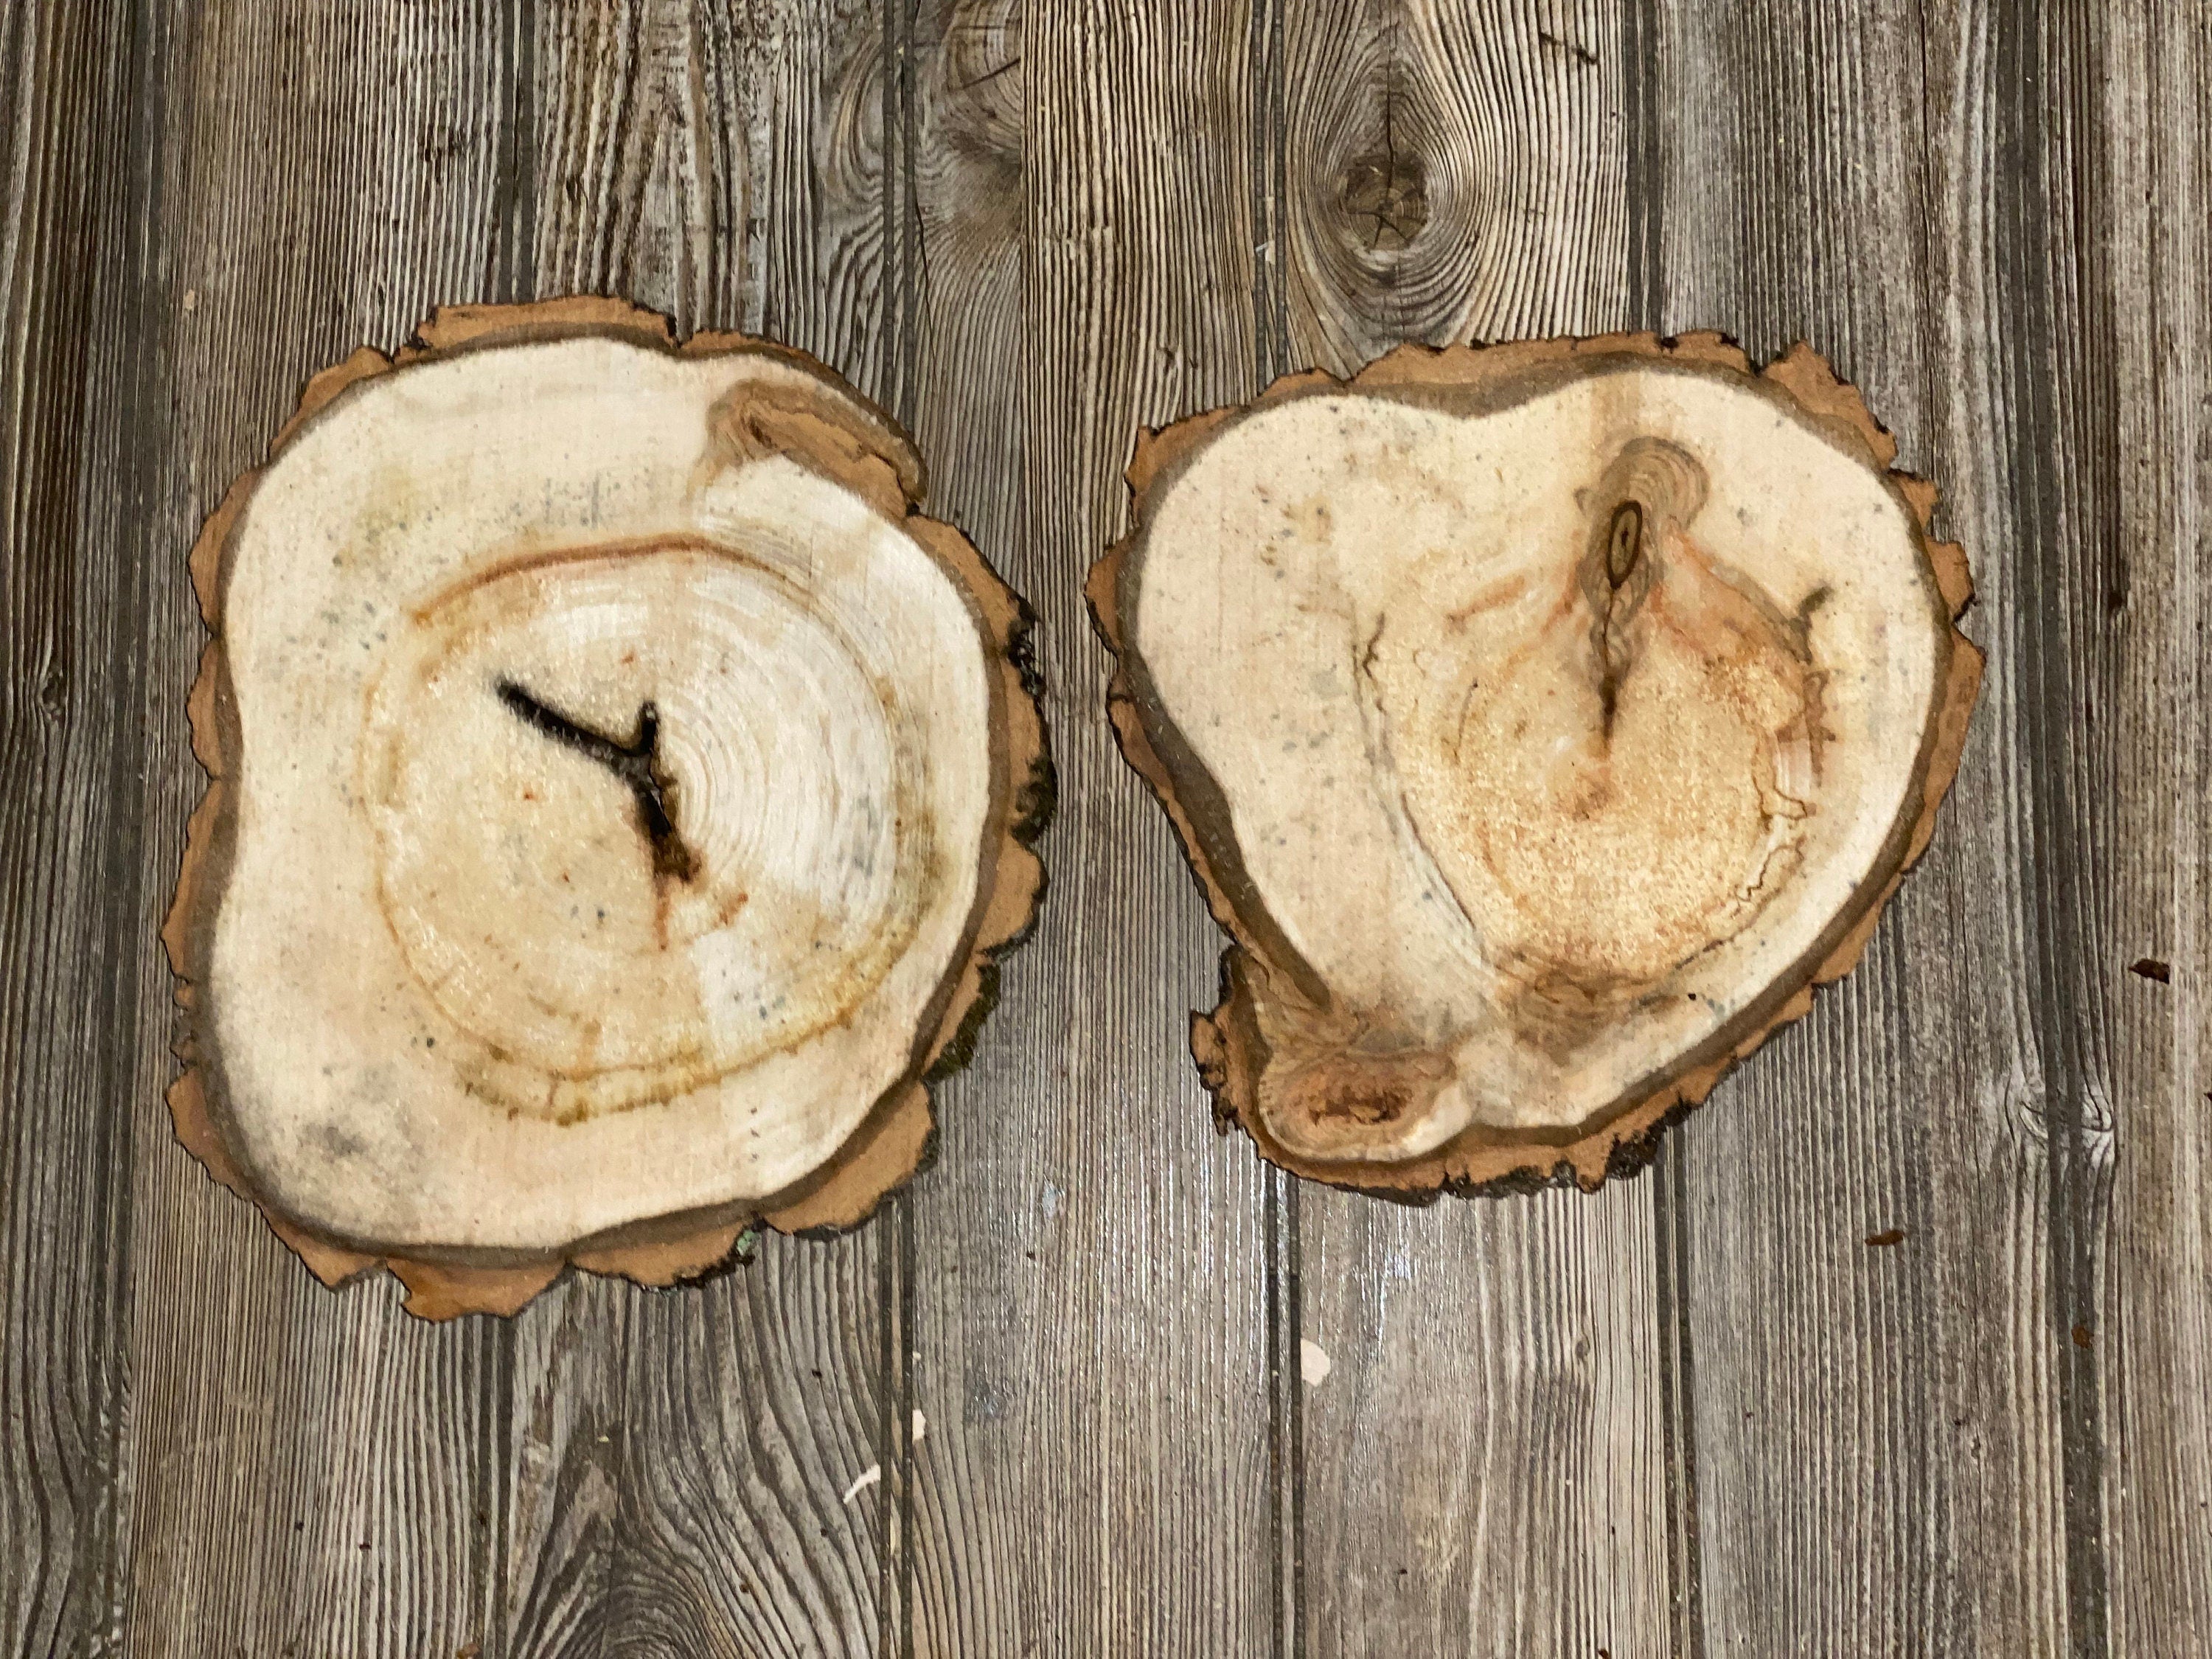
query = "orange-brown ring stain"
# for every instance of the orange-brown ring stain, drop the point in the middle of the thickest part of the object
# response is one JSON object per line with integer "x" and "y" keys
{"x": 1621, "y": 593}
{"x": 577, "y": 1094}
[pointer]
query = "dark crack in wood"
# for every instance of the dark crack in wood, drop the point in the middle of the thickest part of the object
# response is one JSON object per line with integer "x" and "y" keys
{"x": 635, "y": 763}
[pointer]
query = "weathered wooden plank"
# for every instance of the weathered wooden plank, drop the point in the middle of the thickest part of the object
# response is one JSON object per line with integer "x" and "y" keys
{"x": 680, "y": 1462}
{"x": 2154, "y": 103}
{"x": 306, "y": 1470}
{"x": 2070, "y": 638}
{"x": 1997, "y": 225}
{"x": 1891, "y": 1438}
{"x": 69, "y": 750}
{"x": 691, "y": 1469}
{"x": 1484, "y": 1461}
{"x": 1091, "y": 1263}
{"x": 1484, "y": 1454}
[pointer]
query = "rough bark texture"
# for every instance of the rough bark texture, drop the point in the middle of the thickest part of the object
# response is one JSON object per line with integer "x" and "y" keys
{"x": 830, "y": 437}
{"x": 1262, "y": 973}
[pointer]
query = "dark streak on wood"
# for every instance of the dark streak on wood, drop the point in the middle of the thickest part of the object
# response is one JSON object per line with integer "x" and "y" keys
{"x": 512, "y": 278}
{"x": 2058, "y": 362}
{"x": 898, "y": 1290}
{"x": 1283, "y": 1288}
{"x": 73, "y": 611}
{"x": 1678, "y": 1414}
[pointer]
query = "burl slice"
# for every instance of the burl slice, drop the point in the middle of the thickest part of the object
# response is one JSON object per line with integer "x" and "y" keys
{"x": 621, "y": 793}
{"x": 1543, "y": 722}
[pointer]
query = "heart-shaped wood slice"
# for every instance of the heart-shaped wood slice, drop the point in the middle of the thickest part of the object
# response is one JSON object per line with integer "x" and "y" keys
{"x": 1543, "y": 722}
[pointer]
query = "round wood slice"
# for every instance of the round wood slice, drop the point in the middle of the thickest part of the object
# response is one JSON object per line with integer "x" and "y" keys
{"x": 620, "y": 795}
{"x": 1543, "y": 721}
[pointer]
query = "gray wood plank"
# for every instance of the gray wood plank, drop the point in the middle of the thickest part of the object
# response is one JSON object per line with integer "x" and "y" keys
{"x": 1484, "y": 1465}
{"x": 1899, "y": 1448}
{"x": 691, "y": 1469}
{"x": 307, "y": 1471}
{"x": 1871, "y": 1426}
{"x": 2154, "y": 106}
{"x": 69, "y": 750}
{"x": 1090, "y": 1264}
{"x": 2069, "y": 638}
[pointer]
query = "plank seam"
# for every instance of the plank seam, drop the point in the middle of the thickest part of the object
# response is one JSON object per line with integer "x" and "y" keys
{"x": 899, "y": 1293}
{"x": 512, "y": 280}
{"x": 1280, "y": 1219}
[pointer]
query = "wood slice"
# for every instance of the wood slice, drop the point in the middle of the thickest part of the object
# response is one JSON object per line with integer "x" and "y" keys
{"x": 1543, "y": 722}
{"x": 620, "y": 795}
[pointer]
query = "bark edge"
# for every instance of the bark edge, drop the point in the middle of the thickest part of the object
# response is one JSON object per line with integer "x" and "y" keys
{"x": 1622, "y": 1138}
{"x": 855, "y": 444}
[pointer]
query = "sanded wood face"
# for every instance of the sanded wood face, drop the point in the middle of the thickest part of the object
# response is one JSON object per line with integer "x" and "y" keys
{"x": 1539, "y": 735}
{"x": 617, "y": 791}
{"x": 643, "y": 819}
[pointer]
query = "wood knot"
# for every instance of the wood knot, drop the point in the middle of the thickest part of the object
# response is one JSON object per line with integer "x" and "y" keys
{"x": 1365, "y": 1099}
{"x": 1385, "y": 194}
{"x": 1363, "y": 1104}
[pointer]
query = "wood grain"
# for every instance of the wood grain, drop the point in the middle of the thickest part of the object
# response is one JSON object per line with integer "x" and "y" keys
{"x": 683, "y": 1465}
{"x": 1090, "y": 1260}
{"x": 1482, "y": 1456}
{"x": 1454, "y": 171}
{"x": 303, "y": 1469}
{"x": 679, "y": 1461}
{"x": 2154, "y": 103}
{"x": 1698, "y": 1412}
{"x": 70, "y": 617}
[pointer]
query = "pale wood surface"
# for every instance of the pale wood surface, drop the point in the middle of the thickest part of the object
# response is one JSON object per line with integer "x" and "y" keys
{"x": 1695, "y": 1413}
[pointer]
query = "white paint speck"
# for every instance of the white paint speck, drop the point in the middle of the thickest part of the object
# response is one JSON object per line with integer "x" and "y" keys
{"x": 191, "y": 299}
{"x": 1313, "y": 1362}
{"x": 921, "y": 1425}
{"x": 862, "y": 1481}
